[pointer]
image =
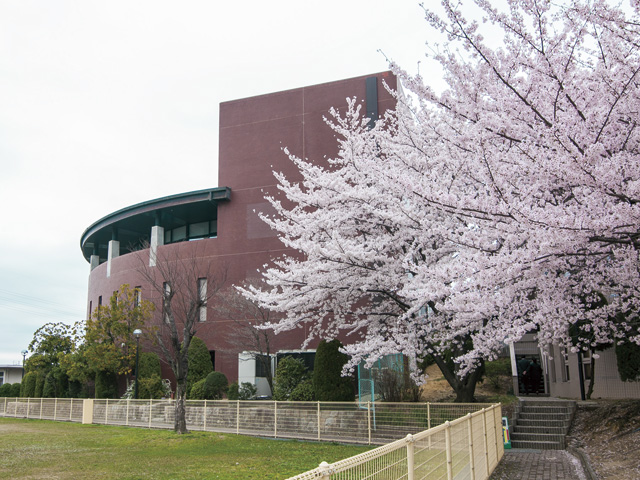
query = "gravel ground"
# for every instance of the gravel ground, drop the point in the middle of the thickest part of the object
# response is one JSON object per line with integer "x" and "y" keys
{"x": 608, "y": 432}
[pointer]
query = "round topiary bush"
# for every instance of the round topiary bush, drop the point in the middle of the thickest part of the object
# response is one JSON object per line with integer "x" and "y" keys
{"x": 216, "y": 385}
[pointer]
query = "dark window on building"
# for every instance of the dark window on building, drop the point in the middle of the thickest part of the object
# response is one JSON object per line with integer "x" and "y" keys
{"x": 167, "y": 291}
{"x": 262, "y": 365}
{"x": 137, "y": 299}
{"x": 212, "y": 353}
{"x": 308, "y": 358}
{"x": 202, "y": 296}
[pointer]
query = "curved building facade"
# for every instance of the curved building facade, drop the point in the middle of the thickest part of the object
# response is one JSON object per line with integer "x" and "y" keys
{"x": 220, "y": 227}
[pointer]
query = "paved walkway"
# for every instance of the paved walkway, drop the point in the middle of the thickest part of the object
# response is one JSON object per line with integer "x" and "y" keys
{"x": 526, "y": 464}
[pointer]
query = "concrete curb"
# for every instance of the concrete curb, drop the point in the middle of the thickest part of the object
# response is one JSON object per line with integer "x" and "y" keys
{"x": 586, "y": 466}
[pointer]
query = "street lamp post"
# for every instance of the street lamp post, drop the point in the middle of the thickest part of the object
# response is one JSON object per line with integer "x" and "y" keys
{"x": 137, "y": 332}
{"x": 24, "y": 354}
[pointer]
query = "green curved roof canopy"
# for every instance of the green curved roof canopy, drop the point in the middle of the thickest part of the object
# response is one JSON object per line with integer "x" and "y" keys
{"x": 131, "y": 226}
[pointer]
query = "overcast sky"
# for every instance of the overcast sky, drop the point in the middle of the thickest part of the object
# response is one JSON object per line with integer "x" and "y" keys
{"x": 98, "y": 98}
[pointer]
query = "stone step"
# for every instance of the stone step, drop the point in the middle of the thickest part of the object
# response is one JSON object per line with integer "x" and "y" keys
{"x": 549, "y": 429}
{"x": 546, "y": 409}
{"x": 537, "y": 445}
{"x": 528, "y": 422}
{"x": 545, "y": 416}
{"x": 537, "y": 437}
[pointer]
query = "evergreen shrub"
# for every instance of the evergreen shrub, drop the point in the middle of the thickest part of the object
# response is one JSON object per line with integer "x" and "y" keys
{"x": 199, "y": 362}
{"x": 328, "y": 383}
{"x": 28, "y": 385}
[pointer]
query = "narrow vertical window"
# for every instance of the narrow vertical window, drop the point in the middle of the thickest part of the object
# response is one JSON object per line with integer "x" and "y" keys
{"x": 166, "y": 287}
{"x": 202, "y": 299}
{"x": 137, "y": 296}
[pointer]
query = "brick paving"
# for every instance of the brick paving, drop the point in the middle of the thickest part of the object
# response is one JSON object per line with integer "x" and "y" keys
{"x": 525, "y": 464}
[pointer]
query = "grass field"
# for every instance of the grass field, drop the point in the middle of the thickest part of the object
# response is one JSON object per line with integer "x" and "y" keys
{"x": 37, "y": 449}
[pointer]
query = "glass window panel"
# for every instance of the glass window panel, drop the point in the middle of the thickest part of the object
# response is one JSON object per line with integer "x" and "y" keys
{"x": 179, "y": 233}
{"x": 199, "y": 229}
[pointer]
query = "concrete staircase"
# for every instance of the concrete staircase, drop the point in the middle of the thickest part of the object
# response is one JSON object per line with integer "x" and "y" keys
{"x": 542, "y": 424}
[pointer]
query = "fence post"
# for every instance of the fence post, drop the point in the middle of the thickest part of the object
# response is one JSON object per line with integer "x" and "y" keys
{"x": 369, "y": 420}
{"x": 318, "y": 420}
{"x": 486, "y": 442}
{"x": 410, "y": 457}
{"x": 87, "y": 411}
{"x": 106, "y": 411}
{"x": 150, "y": 409}
{"x": 447, "y": 437}
{"x": 28, "y": 406}
{"x": 41, "y": 400}
{"x": 204, "y": 419}
{"x": 325, "y": 471}
{"x": 275, "y": 419}
{"x": 497, "y": 430}
{"x": 126, "y": 420}
{"x": 71, "y": 410}
{"x": 238, "y": 417}
{"x": 429, "y": 423}
{"x": 472, "y": 458}
{"x": 55, "y": 409}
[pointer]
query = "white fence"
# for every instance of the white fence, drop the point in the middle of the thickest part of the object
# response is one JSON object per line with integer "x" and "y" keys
{"x": 373, "y": 423}
{"x": 468, "y": 448}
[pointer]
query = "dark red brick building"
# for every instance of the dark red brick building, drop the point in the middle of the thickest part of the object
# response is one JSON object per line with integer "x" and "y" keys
{"x": 224, "y": 219}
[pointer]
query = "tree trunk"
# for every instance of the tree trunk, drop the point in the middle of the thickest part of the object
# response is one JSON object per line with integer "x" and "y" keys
{"x": 464, "y": 388}
{"x": 593, "y": 376}
{"x": 180, "y": 422}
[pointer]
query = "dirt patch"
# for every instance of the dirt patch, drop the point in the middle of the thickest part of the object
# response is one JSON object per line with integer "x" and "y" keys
{"x": 608, "y": 432}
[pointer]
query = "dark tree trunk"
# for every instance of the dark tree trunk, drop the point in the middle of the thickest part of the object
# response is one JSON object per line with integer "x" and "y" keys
{"x": 593, "y": 376}
{"x": 465, "y": 387}
{"x": 180, "y": 423}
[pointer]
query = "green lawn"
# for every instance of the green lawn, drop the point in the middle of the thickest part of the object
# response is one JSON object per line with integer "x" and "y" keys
{"x": 58, "y": 450}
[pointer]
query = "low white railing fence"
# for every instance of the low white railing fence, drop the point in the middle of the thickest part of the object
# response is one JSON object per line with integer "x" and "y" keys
{"x": 370, "y": 423}
{"x": 468, "y": 448}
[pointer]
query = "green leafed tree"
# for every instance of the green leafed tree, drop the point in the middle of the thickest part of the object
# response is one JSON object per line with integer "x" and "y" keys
{"x": 110, "y": 344}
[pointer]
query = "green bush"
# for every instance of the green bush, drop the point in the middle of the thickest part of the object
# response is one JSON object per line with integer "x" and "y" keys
{"x": 328, "y": 383}
{"x": 106, "y": 385}
{"x": 498, "y": 373}
{"x": 199, "y": 362}
{"x": 303, "y": 392}
{"x": 15, "y": 390}
{"x": 40, "y": 377}
{"x": 5, "y": 390}
{"x": 216, "y": 385}
{"x": 28, "y": 386}
{"x": 289, "y": 374}
{"x": 211, "y": 388}
{"x": 149, "y": 365}
{"x": 77, "y": 390}
{"x": 247, "y": 391}
{"x": 197, "y": 391}
{"x": 151, "y": 387}
{"x": 49, "y": 388}
{"x": 233, "y": 392}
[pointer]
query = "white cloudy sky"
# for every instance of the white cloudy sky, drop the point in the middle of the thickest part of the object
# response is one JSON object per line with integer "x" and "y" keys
{"x": 97, "y": 99}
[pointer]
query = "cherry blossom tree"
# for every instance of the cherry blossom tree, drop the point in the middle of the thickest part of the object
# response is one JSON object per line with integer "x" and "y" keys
{"x": 505, "y": 204}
